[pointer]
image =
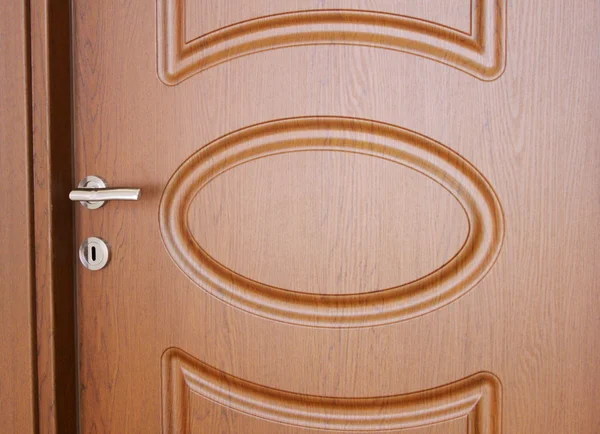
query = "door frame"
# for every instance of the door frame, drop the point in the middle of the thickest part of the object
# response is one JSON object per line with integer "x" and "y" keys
{"x": 54, "y": 308}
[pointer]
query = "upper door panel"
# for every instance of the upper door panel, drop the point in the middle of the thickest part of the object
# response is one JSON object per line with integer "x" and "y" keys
{"x": 194, "y": 36}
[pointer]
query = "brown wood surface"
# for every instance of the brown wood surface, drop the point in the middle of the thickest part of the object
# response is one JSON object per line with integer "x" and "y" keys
{"x": 354, "y": 217}
{"x": 17, "y": 317}
{"x": 53, "y": 215}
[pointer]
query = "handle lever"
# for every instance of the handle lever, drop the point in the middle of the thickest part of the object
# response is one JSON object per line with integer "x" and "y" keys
{"x": 92, "y": 192}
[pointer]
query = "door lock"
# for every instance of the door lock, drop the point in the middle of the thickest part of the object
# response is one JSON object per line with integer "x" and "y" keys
{"x": 94, "y": 253}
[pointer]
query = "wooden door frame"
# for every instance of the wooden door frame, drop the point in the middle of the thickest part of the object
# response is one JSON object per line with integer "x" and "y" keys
{"x": 53, "y": 245}
{"x": 18, "y": 397}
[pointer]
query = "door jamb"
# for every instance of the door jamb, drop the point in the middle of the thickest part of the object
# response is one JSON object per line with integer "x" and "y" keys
{"x": 53, "y": 250}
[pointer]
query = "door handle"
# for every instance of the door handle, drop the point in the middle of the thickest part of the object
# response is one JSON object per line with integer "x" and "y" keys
{"x": 92, "y": 192}
{"x": 104, "y": 194}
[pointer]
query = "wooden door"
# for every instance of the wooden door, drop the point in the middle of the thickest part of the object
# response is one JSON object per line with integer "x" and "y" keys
{"x": 356, "y": 216}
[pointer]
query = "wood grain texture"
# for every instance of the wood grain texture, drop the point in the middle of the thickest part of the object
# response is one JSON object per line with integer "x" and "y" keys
{"x": 202, "y": 17}
{"x": 478, "y": 398}
{"x": 422, "y": 295}
{"x": 53, "y": 215}
{"x": 288, "y": 229}
{"x": 479, "y": 51}
{"x": 17, "y": 317}
{"x": 207, "y": 413}
{"x": 532, "y": 321}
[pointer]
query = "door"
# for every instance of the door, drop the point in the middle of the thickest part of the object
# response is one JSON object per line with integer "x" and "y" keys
{"x": 356, "y": 216}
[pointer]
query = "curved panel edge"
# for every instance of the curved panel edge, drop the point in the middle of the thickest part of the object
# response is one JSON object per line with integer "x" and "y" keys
{"x": 477, "y": 397}
{"x": 480, "y": 53}
{"x": 370, "y": 138}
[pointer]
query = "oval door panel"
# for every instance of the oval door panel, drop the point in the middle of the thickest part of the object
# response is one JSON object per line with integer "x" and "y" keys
{"x": 327, "y": 222}
{"x": 333, "y": 222}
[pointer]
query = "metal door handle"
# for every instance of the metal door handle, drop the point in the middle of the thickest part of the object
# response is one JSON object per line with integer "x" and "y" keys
{"x": 92, "y": 192}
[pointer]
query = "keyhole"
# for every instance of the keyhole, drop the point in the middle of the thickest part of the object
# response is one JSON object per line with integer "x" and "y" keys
{"x": 94, "y": 253}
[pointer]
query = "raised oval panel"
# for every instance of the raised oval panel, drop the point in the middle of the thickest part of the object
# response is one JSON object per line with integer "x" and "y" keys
{"x": 303, "y": 221}
{"x": 327, "y": 222}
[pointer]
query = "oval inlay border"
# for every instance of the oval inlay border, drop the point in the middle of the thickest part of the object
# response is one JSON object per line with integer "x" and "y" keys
{"x": 480, "y": 53}
{"x": 399, "y": 145}
{"x": 477, "y": 397}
